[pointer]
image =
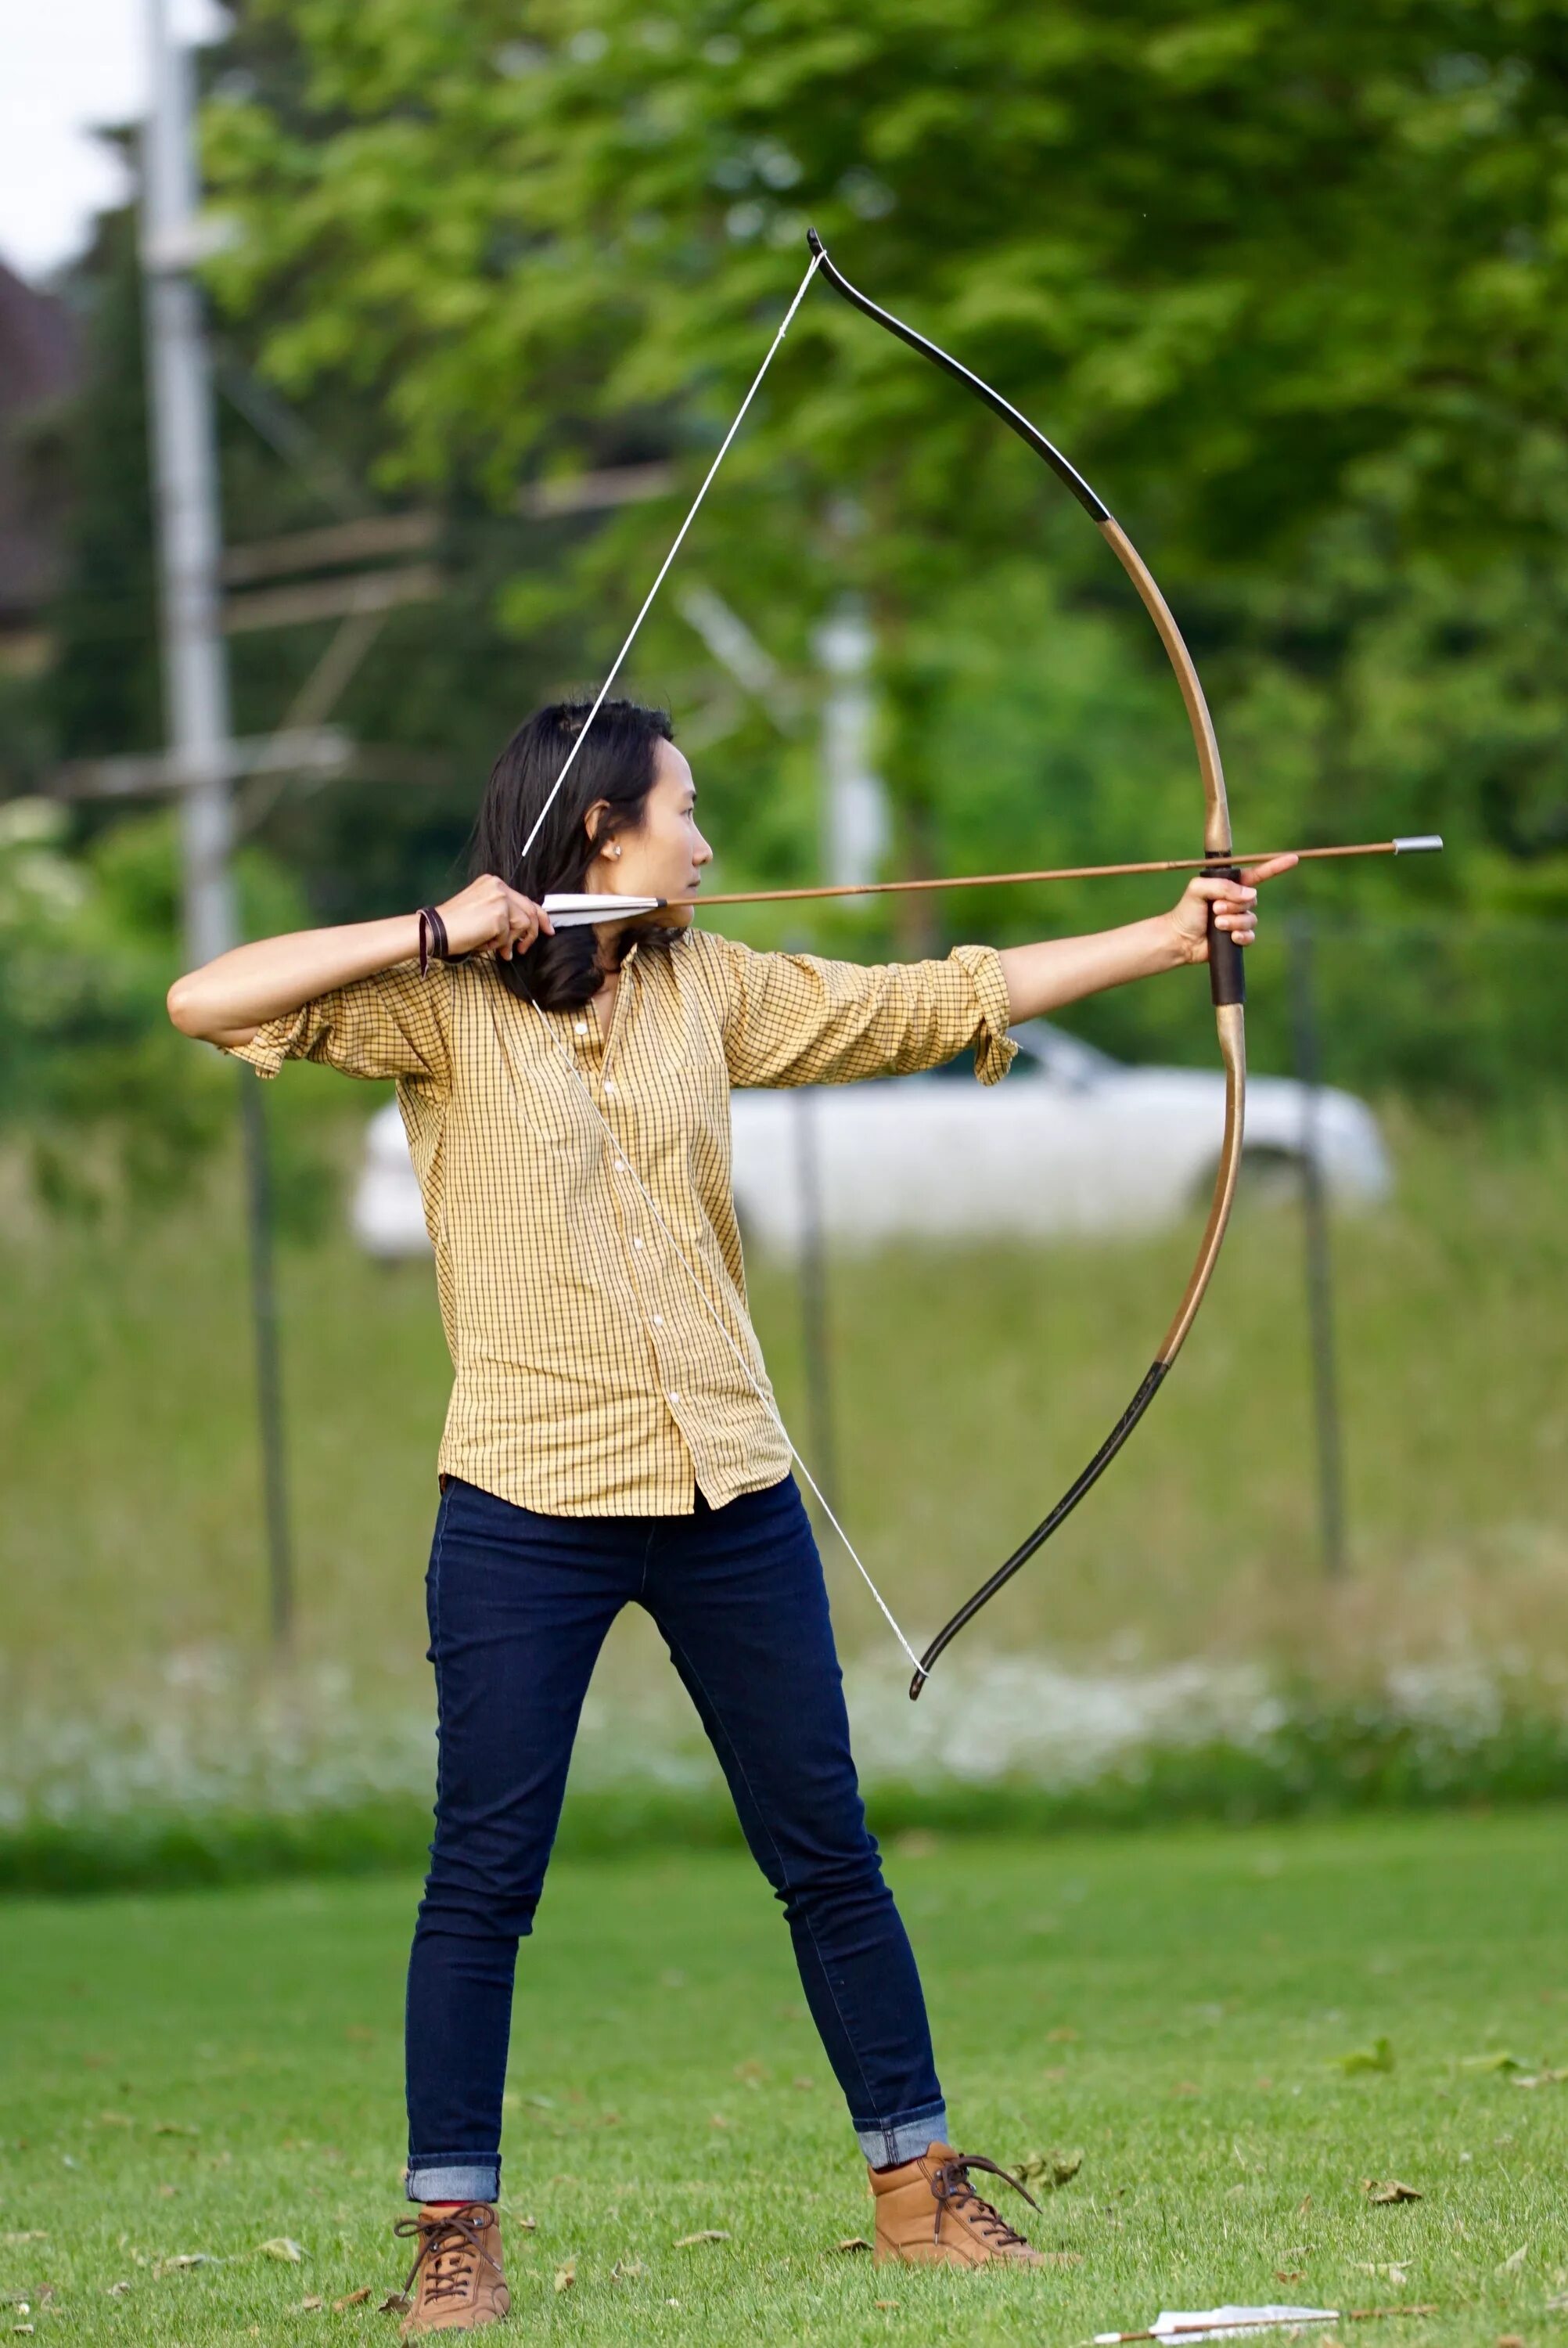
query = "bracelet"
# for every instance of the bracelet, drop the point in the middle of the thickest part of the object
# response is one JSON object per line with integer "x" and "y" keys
{"x": 432, "y": 938}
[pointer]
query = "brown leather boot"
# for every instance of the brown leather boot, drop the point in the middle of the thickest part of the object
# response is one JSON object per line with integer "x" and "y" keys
{"x": 928, "y": 2213}
{"x": 458, "y": 2268}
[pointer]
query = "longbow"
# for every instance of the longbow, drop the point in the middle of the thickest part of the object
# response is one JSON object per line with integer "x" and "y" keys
{"x": 1227, "y": 983}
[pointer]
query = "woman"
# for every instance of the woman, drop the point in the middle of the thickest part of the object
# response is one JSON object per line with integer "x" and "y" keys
{"x": 612, "y": 1436}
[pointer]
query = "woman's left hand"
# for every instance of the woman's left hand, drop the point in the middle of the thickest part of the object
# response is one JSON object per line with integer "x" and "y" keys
{"x": 1234, "y": 903}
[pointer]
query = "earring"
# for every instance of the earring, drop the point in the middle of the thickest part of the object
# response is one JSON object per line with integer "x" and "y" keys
{"x": 615, "y": 849}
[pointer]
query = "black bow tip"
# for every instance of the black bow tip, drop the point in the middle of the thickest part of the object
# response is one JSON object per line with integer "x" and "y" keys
{"x": 918, "y": 1682}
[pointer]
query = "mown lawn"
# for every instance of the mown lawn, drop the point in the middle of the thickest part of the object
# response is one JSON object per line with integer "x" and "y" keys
{"x": 205, "y": 2073}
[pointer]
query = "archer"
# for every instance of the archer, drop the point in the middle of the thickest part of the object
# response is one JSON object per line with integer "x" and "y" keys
{"x": 612, "y": 1437}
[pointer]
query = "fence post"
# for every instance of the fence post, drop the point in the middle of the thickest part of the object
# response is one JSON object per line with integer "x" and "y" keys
{"x": 1318, "y": 1258}
{"x": 269, "y": 1379}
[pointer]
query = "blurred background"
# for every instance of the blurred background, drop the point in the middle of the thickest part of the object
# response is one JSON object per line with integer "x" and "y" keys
{"x": 357, "y": 364}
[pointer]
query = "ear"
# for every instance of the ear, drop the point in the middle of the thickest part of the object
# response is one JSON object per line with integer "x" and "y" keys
{"x": 593, "y": 823}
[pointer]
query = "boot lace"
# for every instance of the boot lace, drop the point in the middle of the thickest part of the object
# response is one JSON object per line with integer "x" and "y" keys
{"x": 952, "y": 2189}
{"x": 451, "y": 2246}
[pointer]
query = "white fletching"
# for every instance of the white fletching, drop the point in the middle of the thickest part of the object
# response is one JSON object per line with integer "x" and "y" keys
{"x": 569, "y": 913}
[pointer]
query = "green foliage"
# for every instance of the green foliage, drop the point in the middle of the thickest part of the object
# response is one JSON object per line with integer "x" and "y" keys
{"x": 1287, "y": 282}
{"x": 101, "y": 695}
{"x": 103, "y": 1093}
{"x": 443, "y": 683}
{"x": 92, "y": 1075}
{"x": 1176, "y": 235}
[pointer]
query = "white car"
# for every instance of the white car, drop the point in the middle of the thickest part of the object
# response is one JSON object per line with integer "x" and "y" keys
{"x": 1074, "y": 1141}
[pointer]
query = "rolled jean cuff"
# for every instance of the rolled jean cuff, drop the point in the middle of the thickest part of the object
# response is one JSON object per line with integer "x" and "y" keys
{"x": 455, "y": 2176}
{"x": 905, "y": 2136}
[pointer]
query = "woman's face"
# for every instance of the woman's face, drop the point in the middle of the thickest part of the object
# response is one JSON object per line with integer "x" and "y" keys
{"x": 665, "y": 855}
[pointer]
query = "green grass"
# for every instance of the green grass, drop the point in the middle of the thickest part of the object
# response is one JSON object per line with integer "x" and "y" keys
{"x": 971, "y": 1385}
{"x": 202, "y": 2073}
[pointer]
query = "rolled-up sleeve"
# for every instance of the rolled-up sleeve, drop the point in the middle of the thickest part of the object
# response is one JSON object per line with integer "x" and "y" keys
{"x": 797, "y": 1019}
{"x": 392, "y": 1024}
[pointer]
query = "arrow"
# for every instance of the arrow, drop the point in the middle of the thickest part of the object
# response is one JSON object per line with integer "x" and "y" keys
{"x": 568, "y": 911}
{"x": 1222, "y": 2322}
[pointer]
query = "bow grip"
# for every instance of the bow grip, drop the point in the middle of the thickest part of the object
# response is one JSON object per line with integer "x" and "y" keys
{"x": 1227, "y": 966}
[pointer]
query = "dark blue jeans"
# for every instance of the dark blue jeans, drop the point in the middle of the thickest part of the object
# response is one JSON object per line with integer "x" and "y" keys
{"x": 519, "y": 1605}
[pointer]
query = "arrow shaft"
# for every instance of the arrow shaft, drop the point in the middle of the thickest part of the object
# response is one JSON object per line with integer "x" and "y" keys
{"x": 1056, "y": 872}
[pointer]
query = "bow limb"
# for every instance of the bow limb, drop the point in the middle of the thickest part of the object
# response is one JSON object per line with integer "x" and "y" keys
{"x": 1225, "y": 967}
{"x": 1227, "y": 973}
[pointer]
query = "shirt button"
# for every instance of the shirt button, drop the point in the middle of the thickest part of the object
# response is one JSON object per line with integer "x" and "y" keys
{"x": 609, "y": 1084}
{"x": 675, "y": 1397}
{"x": 582, "y": 1026}
{"x": 658, "y": 1320}
{"x": 621, "y": 1165}
{"x": 637, "y": 1243}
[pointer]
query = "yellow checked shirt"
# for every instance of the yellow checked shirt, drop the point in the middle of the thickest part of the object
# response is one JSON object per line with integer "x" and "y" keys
{"x": 591, "y": 1378}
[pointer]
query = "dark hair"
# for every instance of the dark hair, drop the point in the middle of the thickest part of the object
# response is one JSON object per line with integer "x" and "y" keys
{"x": 617, "y": 764}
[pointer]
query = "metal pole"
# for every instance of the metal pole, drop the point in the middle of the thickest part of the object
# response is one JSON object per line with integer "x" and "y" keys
{"x": 195, "y": 667}
{"x": 1318, "y": 1257}
{"x": 185, "y": 489}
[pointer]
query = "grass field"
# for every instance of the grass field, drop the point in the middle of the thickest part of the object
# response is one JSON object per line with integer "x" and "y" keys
{"x": 196, "y": 2076}
{"x": 971, "y": 1386}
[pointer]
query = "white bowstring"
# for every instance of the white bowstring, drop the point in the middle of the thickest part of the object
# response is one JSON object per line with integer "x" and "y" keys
{"x": 620, "y": 1157}
{"x": 668, "y": 559}
{"x": 622, "y": 1160}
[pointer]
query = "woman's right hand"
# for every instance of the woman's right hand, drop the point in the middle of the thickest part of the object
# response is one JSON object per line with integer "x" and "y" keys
{"x": 488, "y": 917}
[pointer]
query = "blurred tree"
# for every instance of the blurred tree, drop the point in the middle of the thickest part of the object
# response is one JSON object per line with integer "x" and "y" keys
{"x": 93, "y": 1079}
{"x": 1288, "y": 284}
{"x": 104, "y": 1099}
{"x": 101, "y": 693}
{"x": 448, "y": 679}
{"x": 1287, "y": 281}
